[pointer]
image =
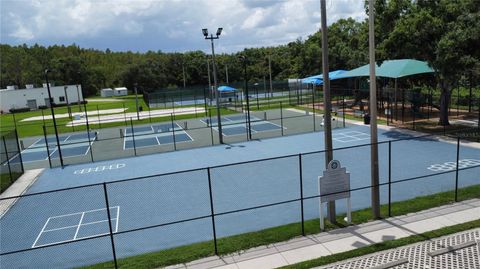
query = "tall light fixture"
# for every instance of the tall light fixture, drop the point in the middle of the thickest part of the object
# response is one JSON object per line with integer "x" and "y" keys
{"x": 219, "y": 118}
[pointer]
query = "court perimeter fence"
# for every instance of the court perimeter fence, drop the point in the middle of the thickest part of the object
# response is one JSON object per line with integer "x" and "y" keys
{"x": 293, "y": 107}
{"x": 10, "y": 168}
{"x": 210, "y": 206}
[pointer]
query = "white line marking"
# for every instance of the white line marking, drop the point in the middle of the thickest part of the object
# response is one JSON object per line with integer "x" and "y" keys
{"x": 118, "y": 216}
{"x": 38, "y": 237}
{"x": 78, "y": 226}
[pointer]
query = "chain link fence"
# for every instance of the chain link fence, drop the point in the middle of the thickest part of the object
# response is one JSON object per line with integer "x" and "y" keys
{"x": 215, "y": 210}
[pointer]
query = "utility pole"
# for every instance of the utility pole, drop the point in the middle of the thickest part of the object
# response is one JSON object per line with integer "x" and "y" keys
{"x": 373, "y": 114}
{"x": 327, "y": 104}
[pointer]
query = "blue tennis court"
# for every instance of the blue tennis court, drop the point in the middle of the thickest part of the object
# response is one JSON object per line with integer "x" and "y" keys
{"x": 154, "y": 135}
{"x": 236, "y": 125}
{"x": 71, "y": 146}
{"x": 76, "y": 215}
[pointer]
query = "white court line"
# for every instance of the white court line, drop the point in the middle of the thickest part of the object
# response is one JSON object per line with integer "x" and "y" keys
{"x": 118, "y": 216}
{"x": 38, "y": 237}
{"x": 269, "y": 122}
{"x": 78, "y": 226}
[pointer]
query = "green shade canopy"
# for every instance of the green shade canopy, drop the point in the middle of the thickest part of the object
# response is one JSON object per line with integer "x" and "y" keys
{"x": 391, "y": 69}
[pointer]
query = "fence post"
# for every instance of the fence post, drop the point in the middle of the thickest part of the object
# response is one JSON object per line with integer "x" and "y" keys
{"x": 8, "y": 159}
{"x": 98, "y": 117}
{"x": 313, "y": 106}
{"x": 246, "y": 126}
{"x": 133, "y": 136}
{"x": 205, "y": 102}
{"x": 458, "y": 101}
{"x": 110, "y": 224}
{"x": 19, "y": 151}
{"x": 389, "y": 178}
{"x": 15, "y": 120}
{"x": 413, "y": 111}
{"x": 43, "y": 116}
{"x": 173, "y": 133}
{"x": 301, "y": 193}
{"x": 210, "y": 123}
{"x": 212, "y": 211}
{"x": 124, "y": 114}
{"x": 456, "y": 169}
{"x": 88, "y": 131}
{"x": 281, "y": 118}
{"x": 46, "y": 143}
{"x": 343, "y": 108}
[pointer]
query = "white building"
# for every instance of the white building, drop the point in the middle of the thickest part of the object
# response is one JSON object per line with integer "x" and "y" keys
{"x": 33, "y": 98}
{"x": 108, "y": 92}
{"x": 121, "y": 91}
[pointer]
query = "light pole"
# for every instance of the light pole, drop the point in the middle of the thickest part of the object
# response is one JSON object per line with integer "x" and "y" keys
{"x": 244, "y": 59}
{"x": 373, "y": 115}
{"x": 219, "y": 119}
{"x": 50, "y": 99}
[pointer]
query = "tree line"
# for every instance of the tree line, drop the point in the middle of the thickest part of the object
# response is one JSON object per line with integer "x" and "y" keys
{"x": 445, "y": 33}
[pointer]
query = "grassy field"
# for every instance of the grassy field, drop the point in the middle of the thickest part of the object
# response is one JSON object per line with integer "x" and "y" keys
{"x": 34, "y": 128}
{"x": 240, "y": 242}
{"x": 6, "y": 181}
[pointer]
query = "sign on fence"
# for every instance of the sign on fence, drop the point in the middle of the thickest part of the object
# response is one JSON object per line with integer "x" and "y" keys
{"x": 334, "y": 185}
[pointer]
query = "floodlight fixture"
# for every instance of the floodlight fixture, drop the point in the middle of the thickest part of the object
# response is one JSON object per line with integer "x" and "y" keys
{"x": 219, "y": 31}
{"x": 205, "y": 32}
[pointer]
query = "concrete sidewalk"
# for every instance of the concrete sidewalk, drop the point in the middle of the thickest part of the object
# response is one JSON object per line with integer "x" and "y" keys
{"x": 341, "y": 240}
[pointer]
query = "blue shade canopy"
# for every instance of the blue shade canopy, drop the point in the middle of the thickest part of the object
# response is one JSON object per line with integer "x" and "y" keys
{"x": 226, "y": 89}
{"x": 391, "y": 69}
{"x": 318, "y": 79}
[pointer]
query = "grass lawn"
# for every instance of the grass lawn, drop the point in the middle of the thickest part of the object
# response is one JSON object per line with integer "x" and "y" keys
{"x": 240, "y": 242}
{"x": 6, "y": 181}
{"x": 34, "y": 128}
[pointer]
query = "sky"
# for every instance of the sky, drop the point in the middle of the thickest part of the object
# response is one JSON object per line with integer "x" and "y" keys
{"x": 166, "y": 25}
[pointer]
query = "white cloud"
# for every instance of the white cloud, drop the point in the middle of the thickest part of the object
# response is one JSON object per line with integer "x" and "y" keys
{"x": 169, "y": 25}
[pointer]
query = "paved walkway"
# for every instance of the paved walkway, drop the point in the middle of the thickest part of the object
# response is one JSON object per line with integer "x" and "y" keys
{"x": 460, "y": 250}
{"x": 341, "y": 240}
